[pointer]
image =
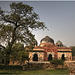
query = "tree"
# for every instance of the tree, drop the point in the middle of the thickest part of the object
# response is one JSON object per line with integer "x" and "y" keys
{"x": 2, "y": 54}
{"x": 17, "y": 24}
{"x": 1, "y": 57}
{"x": 73, "y": 50}
{"x": 19, "y": 54}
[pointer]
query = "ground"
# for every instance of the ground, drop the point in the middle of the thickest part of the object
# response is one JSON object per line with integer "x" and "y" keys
{"x": 15, "y": 69}
{"x": 35, "y": 72}
{"x": 12, "y": 69}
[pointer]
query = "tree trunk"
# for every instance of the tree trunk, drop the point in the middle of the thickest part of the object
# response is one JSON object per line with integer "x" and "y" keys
{"x": 9, "y": 48}
{"x": 6, "y": 60}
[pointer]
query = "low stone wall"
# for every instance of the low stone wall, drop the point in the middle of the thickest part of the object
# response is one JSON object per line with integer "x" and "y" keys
{"x": 30, "y": 66}
{"x": 33, "y": 66}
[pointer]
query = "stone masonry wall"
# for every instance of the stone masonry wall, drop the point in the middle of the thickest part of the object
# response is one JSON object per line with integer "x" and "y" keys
{"x": 32, "y": 66}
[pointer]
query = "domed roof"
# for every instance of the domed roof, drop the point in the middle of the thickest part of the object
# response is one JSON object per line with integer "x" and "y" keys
{"x": 59, "y": 43}
{"x": 47, "y": 39}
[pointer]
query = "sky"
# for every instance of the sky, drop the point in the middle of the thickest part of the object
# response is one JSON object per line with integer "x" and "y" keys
{"x": 58, "y": 16}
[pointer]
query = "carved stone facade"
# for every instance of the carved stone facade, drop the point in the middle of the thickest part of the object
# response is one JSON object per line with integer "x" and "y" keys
{"x": 66, "y": 52}
{"x": 39, "y": 54}
{"x": 47, "y": 51}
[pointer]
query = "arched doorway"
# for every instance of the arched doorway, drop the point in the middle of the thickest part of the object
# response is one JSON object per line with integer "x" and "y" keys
{"x": 50, "y": 57}
{"x": 2, "y": 61}
{"x": 35, "y": 57}
{"x": 63, "y": 57}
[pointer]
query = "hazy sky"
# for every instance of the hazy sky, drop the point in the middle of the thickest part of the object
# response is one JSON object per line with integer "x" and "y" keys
{"x": 59, "y": 17}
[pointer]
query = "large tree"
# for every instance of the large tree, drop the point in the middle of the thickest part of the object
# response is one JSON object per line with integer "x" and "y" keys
{"x": 17, "y": 24}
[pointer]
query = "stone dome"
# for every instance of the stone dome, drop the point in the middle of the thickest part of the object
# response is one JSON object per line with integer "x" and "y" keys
{"x": 59, "y": 43}
{"x": 47, "y": 39}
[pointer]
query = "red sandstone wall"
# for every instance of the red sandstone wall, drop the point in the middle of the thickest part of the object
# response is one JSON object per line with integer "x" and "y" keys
{"x": 48, "y": 48}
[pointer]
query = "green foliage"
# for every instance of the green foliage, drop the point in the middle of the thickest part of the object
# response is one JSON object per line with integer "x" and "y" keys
{"x": 15, "y": 69}
{"x": 18, "y": 53}
{"x": 73, "y": 50}
{"x": 22, "y": 19}
{"x": 17, "y": 24}
{"x": 1, "y": 55}
{"x": 10, "y": 67}
{"x": 57, "y": 62}
{"x": 61, "y": 62}
{"x": 5, "y": 32}
{"x": 18, "y": 47}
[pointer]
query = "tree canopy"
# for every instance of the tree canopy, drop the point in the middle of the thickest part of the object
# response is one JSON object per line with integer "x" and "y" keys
{"x": 16, "y": 25}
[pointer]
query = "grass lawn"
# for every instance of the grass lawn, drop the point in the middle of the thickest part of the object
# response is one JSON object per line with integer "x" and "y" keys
{"x": 35, "y": 72}
{"x": 18, "y": 70}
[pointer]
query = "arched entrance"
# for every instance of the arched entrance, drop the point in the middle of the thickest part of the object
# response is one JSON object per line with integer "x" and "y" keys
{"x": 50, "y": 57}
{"x": 63, "y": 57}
{"x": 2, "y": 61}
{"x": 35, "y": 57}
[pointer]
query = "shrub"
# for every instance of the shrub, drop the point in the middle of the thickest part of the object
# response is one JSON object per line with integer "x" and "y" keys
{"x": 57, "y": 62}
{"x": 10, "y": 67}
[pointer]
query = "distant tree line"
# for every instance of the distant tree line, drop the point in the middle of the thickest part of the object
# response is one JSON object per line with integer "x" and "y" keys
{"x": 73, "y": 50}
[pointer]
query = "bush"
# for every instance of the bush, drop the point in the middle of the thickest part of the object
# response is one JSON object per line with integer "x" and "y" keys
{"x": 57, "y": 62}
{"x": 10, "y": 67}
